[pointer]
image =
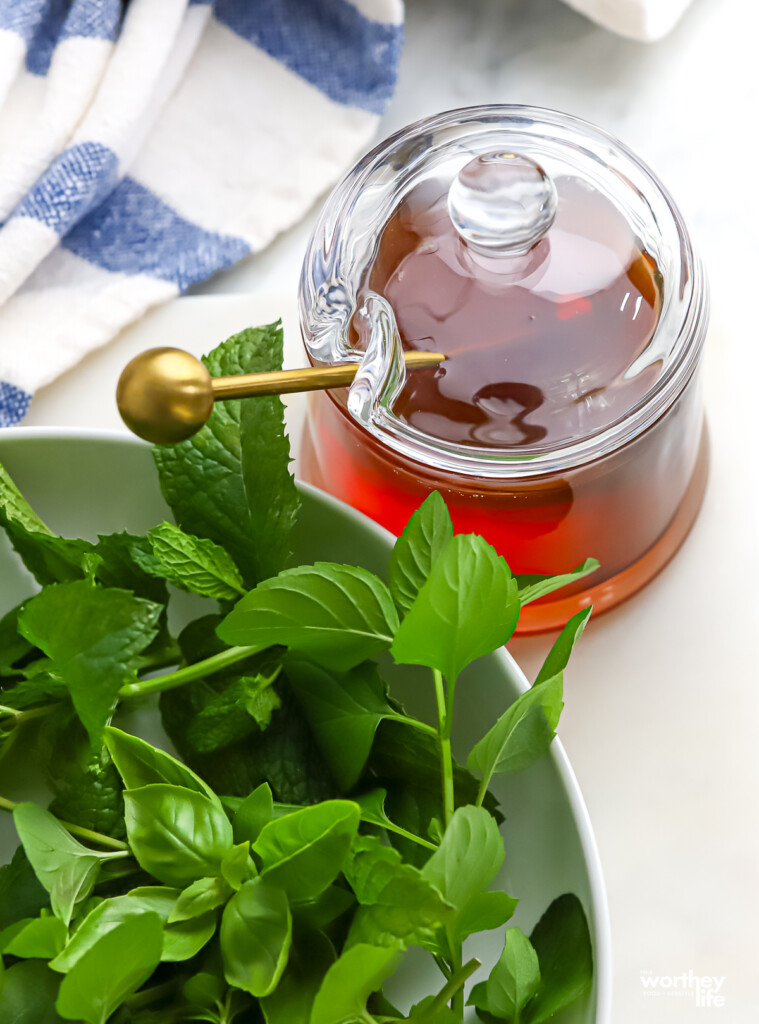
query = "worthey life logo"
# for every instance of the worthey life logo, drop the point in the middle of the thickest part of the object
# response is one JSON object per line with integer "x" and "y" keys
{"x": 705, "y": 989}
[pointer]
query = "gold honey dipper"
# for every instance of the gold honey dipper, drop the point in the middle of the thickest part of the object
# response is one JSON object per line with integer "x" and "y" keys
{"x": 165, "y": 395}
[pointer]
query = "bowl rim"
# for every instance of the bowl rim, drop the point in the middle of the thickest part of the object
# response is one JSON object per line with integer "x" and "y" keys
{"x": 599, "y": 900}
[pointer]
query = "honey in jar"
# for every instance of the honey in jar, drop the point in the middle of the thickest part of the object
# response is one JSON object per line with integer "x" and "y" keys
{"x": 554, "y": 273}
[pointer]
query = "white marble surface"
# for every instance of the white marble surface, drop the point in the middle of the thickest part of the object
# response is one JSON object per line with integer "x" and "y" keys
{"x": 663, "y": 693}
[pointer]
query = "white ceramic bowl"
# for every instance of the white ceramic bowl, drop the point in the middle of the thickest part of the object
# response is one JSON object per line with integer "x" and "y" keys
{"x": 84, "y": 482}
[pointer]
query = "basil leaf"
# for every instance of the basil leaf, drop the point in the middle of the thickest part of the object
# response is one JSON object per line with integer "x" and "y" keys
{"x": 319, "y": 913}
{"x": 522, "y": 734}
{"x": 467, "y": 608}
{"x": 558, "y": 656}
{"x": 466, "y": 862}
{"x": 200, "y": 897}
{"x": 533, "y": 587}
{"x": 65, "y": 868}
{"x": 427, "y": 1012}
{"x": 485, "y": 912}
{"x": 207, "y": 998}
{"x": 293, "y": 998}
{"x": 256, "y": 932}
{"x": 141, "y": 764}
{"x": 397, "y": 902}
{"x": 93, "y": 637}
{"x": 407, "y": 762}
{"x": 513, "y": 981}
{"x": 338, "y": 615}
{"x": 108, "y": 915}
{"x": 237, "y": 865}
{"x": 427, "y": 533}
{"x": 183, "y": 940}
{"x": 343, "y": 710}
{"x": 195, "y": 563}
{"x": 27, "y": 994}
{"x": 177, "y": 835}
{"x": 114, "y": 968}
{"x": 349, "y": 982}
{"x": 254, "y": 812}
{"x": 205, "y": 989}
{"x": 231, "y": 482}
{"x": 562, "y": 941}
{"x": 303, "y": 853}
{"x": 42, "y": 937}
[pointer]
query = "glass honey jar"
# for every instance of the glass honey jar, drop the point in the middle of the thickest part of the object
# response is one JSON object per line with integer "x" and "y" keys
{"x": 554, "y": 272}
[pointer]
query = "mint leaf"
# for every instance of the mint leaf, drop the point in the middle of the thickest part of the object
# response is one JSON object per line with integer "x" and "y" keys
{"x": 121, "y": 560}
{"x": 13, "y": 647}
{"x": 562, "y": 942}
{"x": 512, "y": 982}
{"x": 195, "y": 563}
{"x": 87, "y": 787}
{"x": 343, "y": 711}
{"x": 285, "y": 755}
{"x": 21, "y": 894}
{"x": 467, "y": 608}
{"x": 397, "y": 902}
{"x": 349, "y": 982}
{"x": 65, "y": 868}
{"x": 417, "y": 549}
{"x": 177, "y": 835}
{"x": 256, "y": 933}
{"x": 338, "y": 615}
{"x": 533, "y": 587}
{"x": 303, "y": 852}
{"x": 242, "y": 707}
{"x": 93, "y": 637}
{"x": 231, "y": 482}
{"x": 48, "y": 558}
{"x": 115, "y": 967}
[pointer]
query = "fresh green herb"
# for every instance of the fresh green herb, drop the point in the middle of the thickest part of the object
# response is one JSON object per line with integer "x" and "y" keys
{"x": 346, "y": 832}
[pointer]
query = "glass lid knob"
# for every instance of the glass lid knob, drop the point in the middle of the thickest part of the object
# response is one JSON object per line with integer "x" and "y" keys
{"x": 502, "y": 203}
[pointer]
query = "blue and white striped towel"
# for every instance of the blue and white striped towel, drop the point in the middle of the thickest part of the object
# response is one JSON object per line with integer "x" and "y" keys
{"x": 140, "y": 152}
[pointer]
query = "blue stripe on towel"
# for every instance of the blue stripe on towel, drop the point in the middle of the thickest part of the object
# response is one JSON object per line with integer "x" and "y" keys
{"x": 14, "y": 404}
{"x": 22, "y": 16}
{"x": 135, "y": 232}
{"x": 75, "y": 181}
{"x": 328, "y": 42}
{"x": 91, "y": 19}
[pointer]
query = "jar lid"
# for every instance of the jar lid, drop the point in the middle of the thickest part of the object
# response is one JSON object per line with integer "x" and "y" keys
{"x": 536, "y": 252}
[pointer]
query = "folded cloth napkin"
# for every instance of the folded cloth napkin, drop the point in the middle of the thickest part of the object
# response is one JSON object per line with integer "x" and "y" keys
{"x": 144, "y": 146}
{"x": 644, "y": 20}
